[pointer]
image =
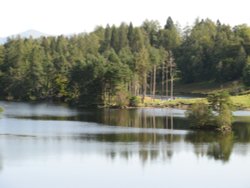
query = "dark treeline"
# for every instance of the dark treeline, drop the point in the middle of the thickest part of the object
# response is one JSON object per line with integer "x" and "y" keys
{"x": 111, "y": 64}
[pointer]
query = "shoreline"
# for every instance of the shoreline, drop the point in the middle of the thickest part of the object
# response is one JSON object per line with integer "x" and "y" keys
{"x": 240, "y": 103}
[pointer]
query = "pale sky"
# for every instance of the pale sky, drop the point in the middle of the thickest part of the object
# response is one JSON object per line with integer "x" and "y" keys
{"x": 75, "y": 16}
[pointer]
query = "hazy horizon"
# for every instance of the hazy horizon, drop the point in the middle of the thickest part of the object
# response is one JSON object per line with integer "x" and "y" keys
{"x": 76, "y": 16}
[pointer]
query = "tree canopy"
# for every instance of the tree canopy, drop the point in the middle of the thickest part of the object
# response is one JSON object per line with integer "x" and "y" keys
{"x": 118, "y": 62}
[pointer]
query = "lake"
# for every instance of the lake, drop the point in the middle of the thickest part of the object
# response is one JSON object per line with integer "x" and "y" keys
{"x": 55, "y": 146}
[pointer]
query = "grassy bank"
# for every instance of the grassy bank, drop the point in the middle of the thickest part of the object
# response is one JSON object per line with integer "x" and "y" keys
{"x": 177, "y": 103}
{"x": 1, "y": 109}
{"x": 240, "y": 94}
{"x": 239, "y": 102}
{"x": 208, "y": 87}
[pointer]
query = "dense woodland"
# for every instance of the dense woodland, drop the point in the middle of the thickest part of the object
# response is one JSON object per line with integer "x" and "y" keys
{"x": 112, "y": 64}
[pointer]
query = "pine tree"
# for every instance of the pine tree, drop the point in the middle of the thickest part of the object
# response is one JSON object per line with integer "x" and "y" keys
{"x": 115, "y": 39}
{"x": 142, "y": 66}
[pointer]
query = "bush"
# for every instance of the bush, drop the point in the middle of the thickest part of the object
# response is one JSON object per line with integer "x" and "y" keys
{"x": 122, "y": 99}
{"x": 134, "y": 101}
{"x": 224, "y": 119}
{"x": 222, "y": 104}
{"x": 200, "y": 116}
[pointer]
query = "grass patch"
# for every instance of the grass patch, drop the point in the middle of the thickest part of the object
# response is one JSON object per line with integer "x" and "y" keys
{"x": 238, "y": 102}
{"x": 209, "y": 87}
{"x": 177, "y": 103}
{"x": 1, "y": 109}
{"x": 241, "y": 101}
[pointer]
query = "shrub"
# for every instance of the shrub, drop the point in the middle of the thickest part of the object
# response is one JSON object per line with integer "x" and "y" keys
{"x": 200, "y": 116}
{"x": 134, "y": 101}
{"x": 222, "y": 104}
{"x": 122, "y": 99}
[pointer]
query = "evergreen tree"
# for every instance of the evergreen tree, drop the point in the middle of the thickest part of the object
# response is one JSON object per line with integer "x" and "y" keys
{"x": 115, "y": 39}
{"x": 121, "y": 61}
{"x": 34, "y": 74}
{"x": 107, "y": 39}
{"x": 123, "y": 39}
{"x": 142, "y": 67}
{"x": 152, "y": 28}
{"x": 130, "y": 34}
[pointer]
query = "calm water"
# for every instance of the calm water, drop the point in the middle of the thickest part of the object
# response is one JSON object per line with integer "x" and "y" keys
{"x": 53, "y": 146}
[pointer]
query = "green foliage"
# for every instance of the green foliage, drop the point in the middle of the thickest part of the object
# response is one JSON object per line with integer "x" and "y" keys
{"x": 200, "y": 116}
{"x": 109, "y": 64}
{"x": 224, "y": 118}
{"x": 219, "y": 146}
{"x": 222, "y": 104}
{"x": 114, "y": 41}
{"x": 152, "y": 28}
{"x": 122, "y": 97}
{"x": 212, "y": 51}
{"x": 134, "y": 101}
{"x": 1, "y": 109}
{"x": 194, "y": 53}
{"x": 243, "y": 31}
{"x": 219, "y": 100}
{"x": 86, "y": 79}
{"x": 142, "y": 67}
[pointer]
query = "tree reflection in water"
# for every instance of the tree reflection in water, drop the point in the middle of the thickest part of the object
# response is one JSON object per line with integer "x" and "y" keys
{"x": 210, "y": 144}
{"x": 151, "y": 142}
{"x": 147, "y": 146}
{"x": 154, "y": 146}
{"x": 242, "y": 132}
{"x": 140, "y": 118}
{"x": 217, "y": 146}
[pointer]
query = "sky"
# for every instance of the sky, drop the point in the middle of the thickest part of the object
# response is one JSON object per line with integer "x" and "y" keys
{"x": 74, "y": 16}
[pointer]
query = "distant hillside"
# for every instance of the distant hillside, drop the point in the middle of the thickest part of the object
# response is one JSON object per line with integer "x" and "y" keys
{"x": 25, "y": 34}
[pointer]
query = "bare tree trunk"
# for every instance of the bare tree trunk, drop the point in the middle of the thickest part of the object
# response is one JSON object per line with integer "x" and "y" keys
{"x": 151, "y": 83}
{"x": 130, "y": 88}
{"x": 134, "y": 88}
{"x": 144, "y": 87}
{"x": 172, "y": 81}
{"x": 154, "y": 80}
{"x": 162, "y": 79}
{"x": 166, "y": 79}
{"x": 171, "y": 63}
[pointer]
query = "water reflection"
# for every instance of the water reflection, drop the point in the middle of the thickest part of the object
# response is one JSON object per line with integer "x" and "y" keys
{"x": 56, "y": 146}
{"x": 144, "y": 118}
{"x": 151, "y": 134}
{"x": 242, "y": 132}
{"x": 216, "y": 146}
{"x": 149, "y": 147}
